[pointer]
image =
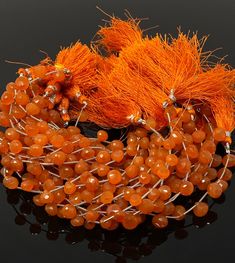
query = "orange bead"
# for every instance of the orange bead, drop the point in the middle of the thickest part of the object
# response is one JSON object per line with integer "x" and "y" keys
{"x": 66, "y": 171}
{"x": 102, "y": 136}
{"x": 69, "y": 211}
{"x": 32, "y": 109}
{"x": 7, "y": 97}
{"x": 92, "y": 183}
{"x": 163, "y": 172}
{"x": 145, "y": 178}
{"x": 106, "y": 197}
{"x": 165, "y": 192}
{"x": 114, "y": 177}
{"x": 229, "y": 159}
{"x": 10, "y": 182}
{"x": 59, "y": 158}
{"x": 200, "y": 209}
{"x": 70, "y": 188}
{"x": 27, "y": 185}
{"x": 35, "y": 150}
{"x": 132, "y": 171}
{"x": 214, "y": 190}
{"x": 51, "y": 209}
{"x": 22, "y": 83}
{"x": 15, "y": 146}
{"x": 22, "y": 98}
{"x": 172, "y": 159}
{"x": 198, "y": 136}
{"x": 186, "y": 188}
{"x": 117, "y": 156}
{"x": 11, "y": 134}
{"x": 57, "y": 140}
{"x": 160, "y": 221}
{"x": 40, "y": 139}
{"x": 135, "y": 199}
{"x": 146, "y": 206}
{"x": 103, "y": 157}
{"x": 205, "y": 157}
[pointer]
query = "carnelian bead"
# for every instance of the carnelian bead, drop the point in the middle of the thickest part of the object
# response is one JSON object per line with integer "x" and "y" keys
{"x": 51, "y": 209}
{"x": 130, "y": 221}
{"x": 22, "y": 98}
{"x": 35, "y": 150}
{"x": 169, "y": 209}
{"x": 219, "y": 134}
{"x": 131, "y": 150}
{"x": 7, "y": 98}
{"x": 195, "y": 178}
{"x": 177, "y": 137}
{"x": 198, "y": 136}
{"x": 127, "y": 193}
{"x": 204, "y": 183}
{"x": 27, "y": 185}
{"x": 229, "y": 160}
{"x": 102, "y": 136}
{"x": 102, "y": 170}
{"x": 91, "y": 215}
{"x": 49, "y": 184}
{"x": 117, "y": 156}
{"x": 59, "y": 158}
{"x": 209, "y": 146}
{"x": 225, "y": 173}
{"x": 11, "y": 134}
{"x": 205, "y": 157}
{"x": 168, "y": 144}
{"x": 92, "y": 183}
{"x": 217, "y": 160}
{"x": 77, "y": 221}
{"x": 179, "y": 212}
{"x": 200, "y": 209}
{"x": 4, "y": 119}
{"x": 31, "y": 130}
{"x": 146, "y": 206}
{"x": 165, "y": 192}
{"x": 158, "y": 206}
{"x": 192, "y": 151}
{"x": 223, "y": 184}
{"x": 186, "y": 188}
{"x": 75, "y": 198}
{"x": 57, "y": 140}
{"x": 59, "y": 196}
{"x": 172, "y": 159}
{"x": 10, "y": 182}
{"x": 15, "y": 146}
{"x": 183, "y": 166}
{"x": 138, "y": 160}
{"x": 40, "y": 139}
{"x": 11, "y": 86}
{"x": 84, "y": 142}
{"x": 212, "y": 173}
{"x": 116, "y": 145}
{"x": 114, "y": 177}
{"x": 32, "y": 109}
{"x": 16, "y": 165}
{"x": 22, "y": 83}
{"x": 144, "y": 143}
{"x": 4, "y": 146}
{"x": 106, "y": 197}
{"x": 135, "y": 199}
{"x": 69, "y": 188}
{"x": 42, "y": 126}
{"x": 47, "y": 197}
{"x": 163, "y": 172}
{"x": 214, "y": 190}
{"x": 69, "y": 211}
{"x": 67, "y": 147}
{"x": 66, "y": 171}
{"x": 145, "y": 178}
{"x": 150, "y": 123}
{"x": 37, "y": 200}
{"x": 6, "y": 161}
{"x": 132, "y": 171}
{"x": 160, "y": 221}
{"x": 103, "y": 157}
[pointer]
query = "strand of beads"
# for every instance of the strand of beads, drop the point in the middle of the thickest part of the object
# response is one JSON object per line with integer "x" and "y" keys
{"x": 93, "y": 181}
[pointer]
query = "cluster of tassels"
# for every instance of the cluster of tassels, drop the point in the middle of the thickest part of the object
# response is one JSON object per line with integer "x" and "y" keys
{"x": 176, "y": 104}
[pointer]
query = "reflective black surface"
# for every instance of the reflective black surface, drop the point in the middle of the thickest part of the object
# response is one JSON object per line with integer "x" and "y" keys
{"x": 27, "y": 234}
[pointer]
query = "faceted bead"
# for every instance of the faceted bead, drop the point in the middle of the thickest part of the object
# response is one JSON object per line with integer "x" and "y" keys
{"x": 103, "y": 157}
{"x": 135, "y": 199}
{"x": 69, "y": 211}
{"x": 35, "y": 150}
{"x": 214, "y": 190}
{"x": 172, "y": 159}
{"x": 160, "y": 221}
{"x": 22, "y": 83}
{"x": 146, "y": 206}
{"x": 10, "y": 182}
{"x": 69, "y": 188}
{"x": 114, "y": 177}
{"x": 219, "y": 134}
{"x": 132, "y": 171}
{"x": 102, "y": 136}
{"x": 22, "y": 98}
{"x": 229, "y": 160}
{"x": 186, "y": 188}
{"x": 205, "y": 157}
{"x": 117, "y": 156}
{"x": 198, "y": 136}
{"x": 200, "y": 209}
{"x": 106, "y": 197}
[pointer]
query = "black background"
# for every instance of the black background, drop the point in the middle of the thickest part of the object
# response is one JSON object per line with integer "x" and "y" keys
{"x": 29, "y": 25}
